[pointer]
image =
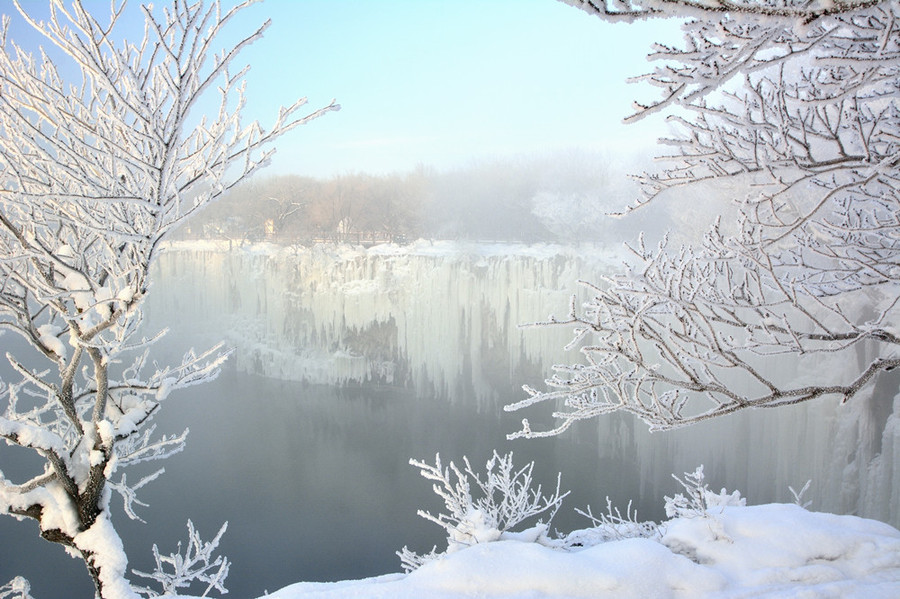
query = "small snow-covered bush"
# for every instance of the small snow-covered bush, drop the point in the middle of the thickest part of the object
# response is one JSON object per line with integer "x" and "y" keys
{"x": 611, "y": 526}
{"x": 506, "y": 498}
{"x": 699, "y": 499}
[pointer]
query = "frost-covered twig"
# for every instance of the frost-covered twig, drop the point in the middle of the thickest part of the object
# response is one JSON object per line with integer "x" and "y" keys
{"x": 798, "y": 495}
{"x": 806, "y": 11}
{"x": 129, "y": 492}
{"x": 179, "y": 570}
{"x": 410, "y": 560}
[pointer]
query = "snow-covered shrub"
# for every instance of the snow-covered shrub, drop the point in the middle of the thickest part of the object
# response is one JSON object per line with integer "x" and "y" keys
{"x": 507, "y": 498}
{"x": 699, "y": 499}
{"x": 696, "y": 527}
{"x": 17, "y": 588}
{"x": 195, "y": 564}
{"x": 611, "y": 526}
{"x": 410, "y": 560}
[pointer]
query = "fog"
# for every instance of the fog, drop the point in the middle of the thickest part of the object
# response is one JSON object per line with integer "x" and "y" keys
{"x": 559, "y": 197}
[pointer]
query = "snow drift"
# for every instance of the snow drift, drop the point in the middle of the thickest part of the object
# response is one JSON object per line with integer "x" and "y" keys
{"x": 773, "y": 550}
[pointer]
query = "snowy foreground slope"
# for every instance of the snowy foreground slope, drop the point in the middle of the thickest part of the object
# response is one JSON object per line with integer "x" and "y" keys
{"x": 773, "y": 550}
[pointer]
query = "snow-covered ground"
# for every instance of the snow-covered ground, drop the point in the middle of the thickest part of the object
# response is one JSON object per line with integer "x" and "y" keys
{"x": 773, "y": 550}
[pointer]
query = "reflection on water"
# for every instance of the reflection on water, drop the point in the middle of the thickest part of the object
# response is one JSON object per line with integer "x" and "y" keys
{"x": 314, "y": 481}
{"x": 312, "y": 473}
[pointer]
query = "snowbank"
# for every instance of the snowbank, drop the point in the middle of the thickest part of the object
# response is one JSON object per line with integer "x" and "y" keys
{"x": 773, "y": 550}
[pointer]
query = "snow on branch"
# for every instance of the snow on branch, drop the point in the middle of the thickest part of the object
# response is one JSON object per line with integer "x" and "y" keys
{"x": 697, "y": 508}
{"x": 194, "y": 564}
{"x": 807, "y": 10}
{"x": 793, "y": 127}
{"x": 798, "y": 495}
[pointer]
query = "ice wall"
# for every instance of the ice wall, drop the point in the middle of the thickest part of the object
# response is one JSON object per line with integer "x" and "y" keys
{"x": 443, "y": 319}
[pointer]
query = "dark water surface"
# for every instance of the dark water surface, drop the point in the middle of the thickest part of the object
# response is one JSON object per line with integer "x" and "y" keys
{"x": 314, "y": 482}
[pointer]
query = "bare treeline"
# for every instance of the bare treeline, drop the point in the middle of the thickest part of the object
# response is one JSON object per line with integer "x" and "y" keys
{"x": 565, "y": 197}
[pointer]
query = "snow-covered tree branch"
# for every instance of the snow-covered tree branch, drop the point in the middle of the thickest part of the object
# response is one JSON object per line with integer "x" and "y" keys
{"x": 195, "y": 563}
{"x": 792, "y": 293}
{"x": 641, "y": 9}
{"x": 95, "y": 173}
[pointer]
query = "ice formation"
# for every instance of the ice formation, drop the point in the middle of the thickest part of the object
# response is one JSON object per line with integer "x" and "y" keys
{"x": 443, "y": 318}
{"x": 430, "y": 315}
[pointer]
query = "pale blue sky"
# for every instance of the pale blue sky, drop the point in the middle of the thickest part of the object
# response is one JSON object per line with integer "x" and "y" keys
{"x": 442, "y": 82}
{"x": 445, "y": 82}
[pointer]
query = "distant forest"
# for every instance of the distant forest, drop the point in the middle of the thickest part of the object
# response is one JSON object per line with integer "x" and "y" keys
{"x": 563, "y": 198}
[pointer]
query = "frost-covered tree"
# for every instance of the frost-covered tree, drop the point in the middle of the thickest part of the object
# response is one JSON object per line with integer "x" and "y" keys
{"x": 792, "y": 294}
{"x": 95, "y": 171}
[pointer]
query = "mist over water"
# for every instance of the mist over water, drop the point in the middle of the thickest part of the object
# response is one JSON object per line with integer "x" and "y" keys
{"x": 348, "y": 362}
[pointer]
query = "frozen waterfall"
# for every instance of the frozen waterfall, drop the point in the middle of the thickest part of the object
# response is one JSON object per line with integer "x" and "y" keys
{"x": 434, "y": 316}
{"x": 442, "y": 318}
